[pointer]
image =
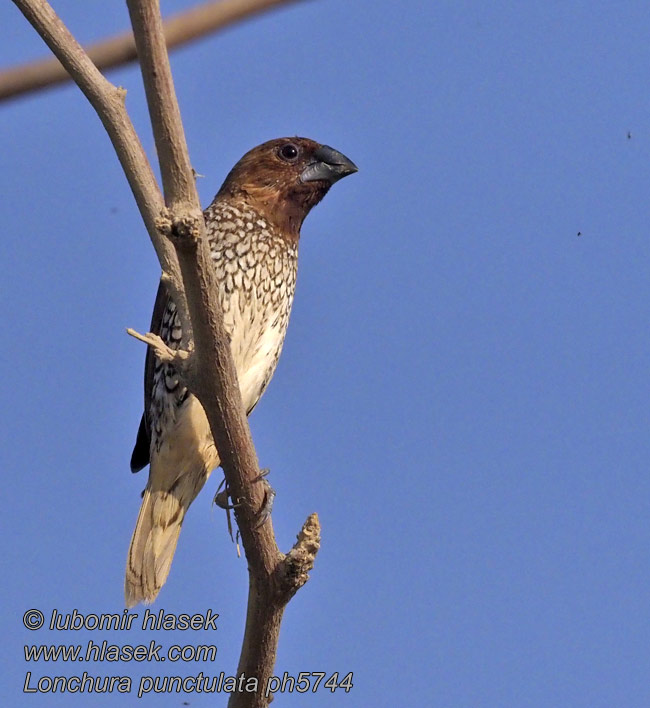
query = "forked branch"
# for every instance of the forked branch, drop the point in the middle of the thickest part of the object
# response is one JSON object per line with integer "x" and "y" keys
{"x": 177, "y": 230}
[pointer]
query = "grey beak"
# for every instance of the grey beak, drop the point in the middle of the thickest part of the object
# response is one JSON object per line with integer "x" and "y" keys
{"x": 329, "y": 165}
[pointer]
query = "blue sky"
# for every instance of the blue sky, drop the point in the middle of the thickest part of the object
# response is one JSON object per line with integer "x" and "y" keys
{"x": 463, "y": 393}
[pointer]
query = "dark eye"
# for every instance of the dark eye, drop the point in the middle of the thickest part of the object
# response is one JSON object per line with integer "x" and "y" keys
{"x": 289, "y": 152}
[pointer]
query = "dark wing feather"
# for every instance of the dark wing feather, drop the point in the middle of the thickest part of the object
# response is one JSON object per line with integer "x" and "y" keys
{"x": 140, "y": 455}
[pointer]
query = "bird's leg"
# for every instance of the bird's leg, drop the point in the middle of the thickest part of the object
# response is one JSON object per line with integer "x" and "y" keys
{"x": 221, "y": 500}
{"x": 269, "y": 497}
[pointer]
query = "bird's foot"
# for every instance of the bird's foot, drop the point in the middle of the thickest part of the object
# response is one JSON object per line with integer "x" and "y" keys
{"x": 221, "y": 500}
{"x": 269, "y": 497}
{"x": 222, "y": 495}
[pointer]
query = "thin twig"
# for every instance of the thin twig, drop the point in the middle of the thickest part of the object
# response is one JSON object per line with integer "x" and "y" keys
{"x": 178, "y": 358}
{"x": 108, "y": 102}
{"x": 118, "y": 50}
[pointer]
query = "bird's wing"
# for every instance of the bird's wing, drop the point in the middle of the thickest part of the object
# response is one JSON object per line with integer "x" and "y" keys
{"x": 140, "y": 455}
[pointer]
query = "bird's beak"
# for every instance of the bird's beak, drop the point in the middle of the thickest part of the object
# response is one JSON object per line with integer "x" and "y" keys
{"x": 329, "y": 165}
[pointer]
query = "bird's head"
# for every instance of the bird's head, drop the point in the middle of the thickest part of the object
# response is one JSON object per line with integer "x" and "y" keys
{"x": 284, "y": 178}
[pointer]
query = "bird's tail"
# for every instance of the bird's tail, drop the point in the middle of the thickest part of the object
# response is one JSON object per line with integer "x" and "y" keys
{"x": 177, "y": 473}
{"x": 153, "y": 545}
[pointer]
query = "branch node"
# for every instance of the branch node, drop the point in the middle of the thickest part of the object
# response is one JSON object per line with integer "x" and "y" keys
{"x": 167, "y": 280}
{"x": 293, "y": 571}
{"x": 187, "y": 227}
{"x": 164, "y": 223}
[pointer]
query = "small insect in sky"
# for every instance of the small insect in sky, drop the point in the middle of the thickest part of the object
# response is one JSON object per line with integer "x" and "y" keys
{"x": 629, "y": 135}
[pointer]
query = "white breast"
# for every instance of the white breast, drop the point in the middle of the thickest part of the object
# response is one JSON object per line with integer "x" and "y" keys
{"x": 257, "y": 335}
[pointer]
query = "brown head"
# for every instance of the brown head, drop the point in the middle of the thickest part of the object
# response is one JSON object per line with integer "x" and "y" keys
{"x": 284, "y": 178}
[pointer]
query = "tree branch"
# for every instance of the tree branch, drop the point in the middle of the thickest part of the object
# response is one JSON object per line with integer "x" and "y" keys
{"x": 179, "y": 29}
{"x": 208, "y": 369}
{"x": 108, "y": 102}
{"x": 273, "y": 578}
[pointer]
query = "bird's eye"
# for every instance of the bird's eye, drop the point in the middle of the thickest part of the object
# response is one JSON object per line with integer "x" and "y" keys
{"x": 289, "y": 152}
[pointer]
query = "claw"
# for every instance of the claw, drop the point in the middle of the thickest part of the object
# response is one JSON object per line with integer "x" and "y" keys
{"x": 221, "y": 500}
{"x": 269, "y": 497}
{"x": 223, "y": 493}
{"x": 221, "y": 496}
{"x": 263, "y": 473}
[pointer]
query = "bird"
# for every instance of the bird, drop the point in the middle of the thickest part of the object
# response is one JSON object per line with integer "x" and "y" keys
{"x": 253, "y": 229}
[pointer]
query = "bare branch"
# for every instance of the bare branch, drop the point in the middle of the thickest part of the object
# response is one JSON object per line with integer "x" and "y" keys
{"x": 179, "y": 29}
{"x": 266, "y": 602}
{"x": 209, "y": 369}
{"x": 178, "y": 179}
{"x": 216, "y": 384}
{"x": 108, "y": 101}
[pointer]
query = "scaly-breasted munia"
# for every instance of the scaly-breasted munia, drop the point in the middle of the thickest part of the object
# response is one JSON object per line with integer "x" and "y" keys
{"x": 253, "y": 227}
